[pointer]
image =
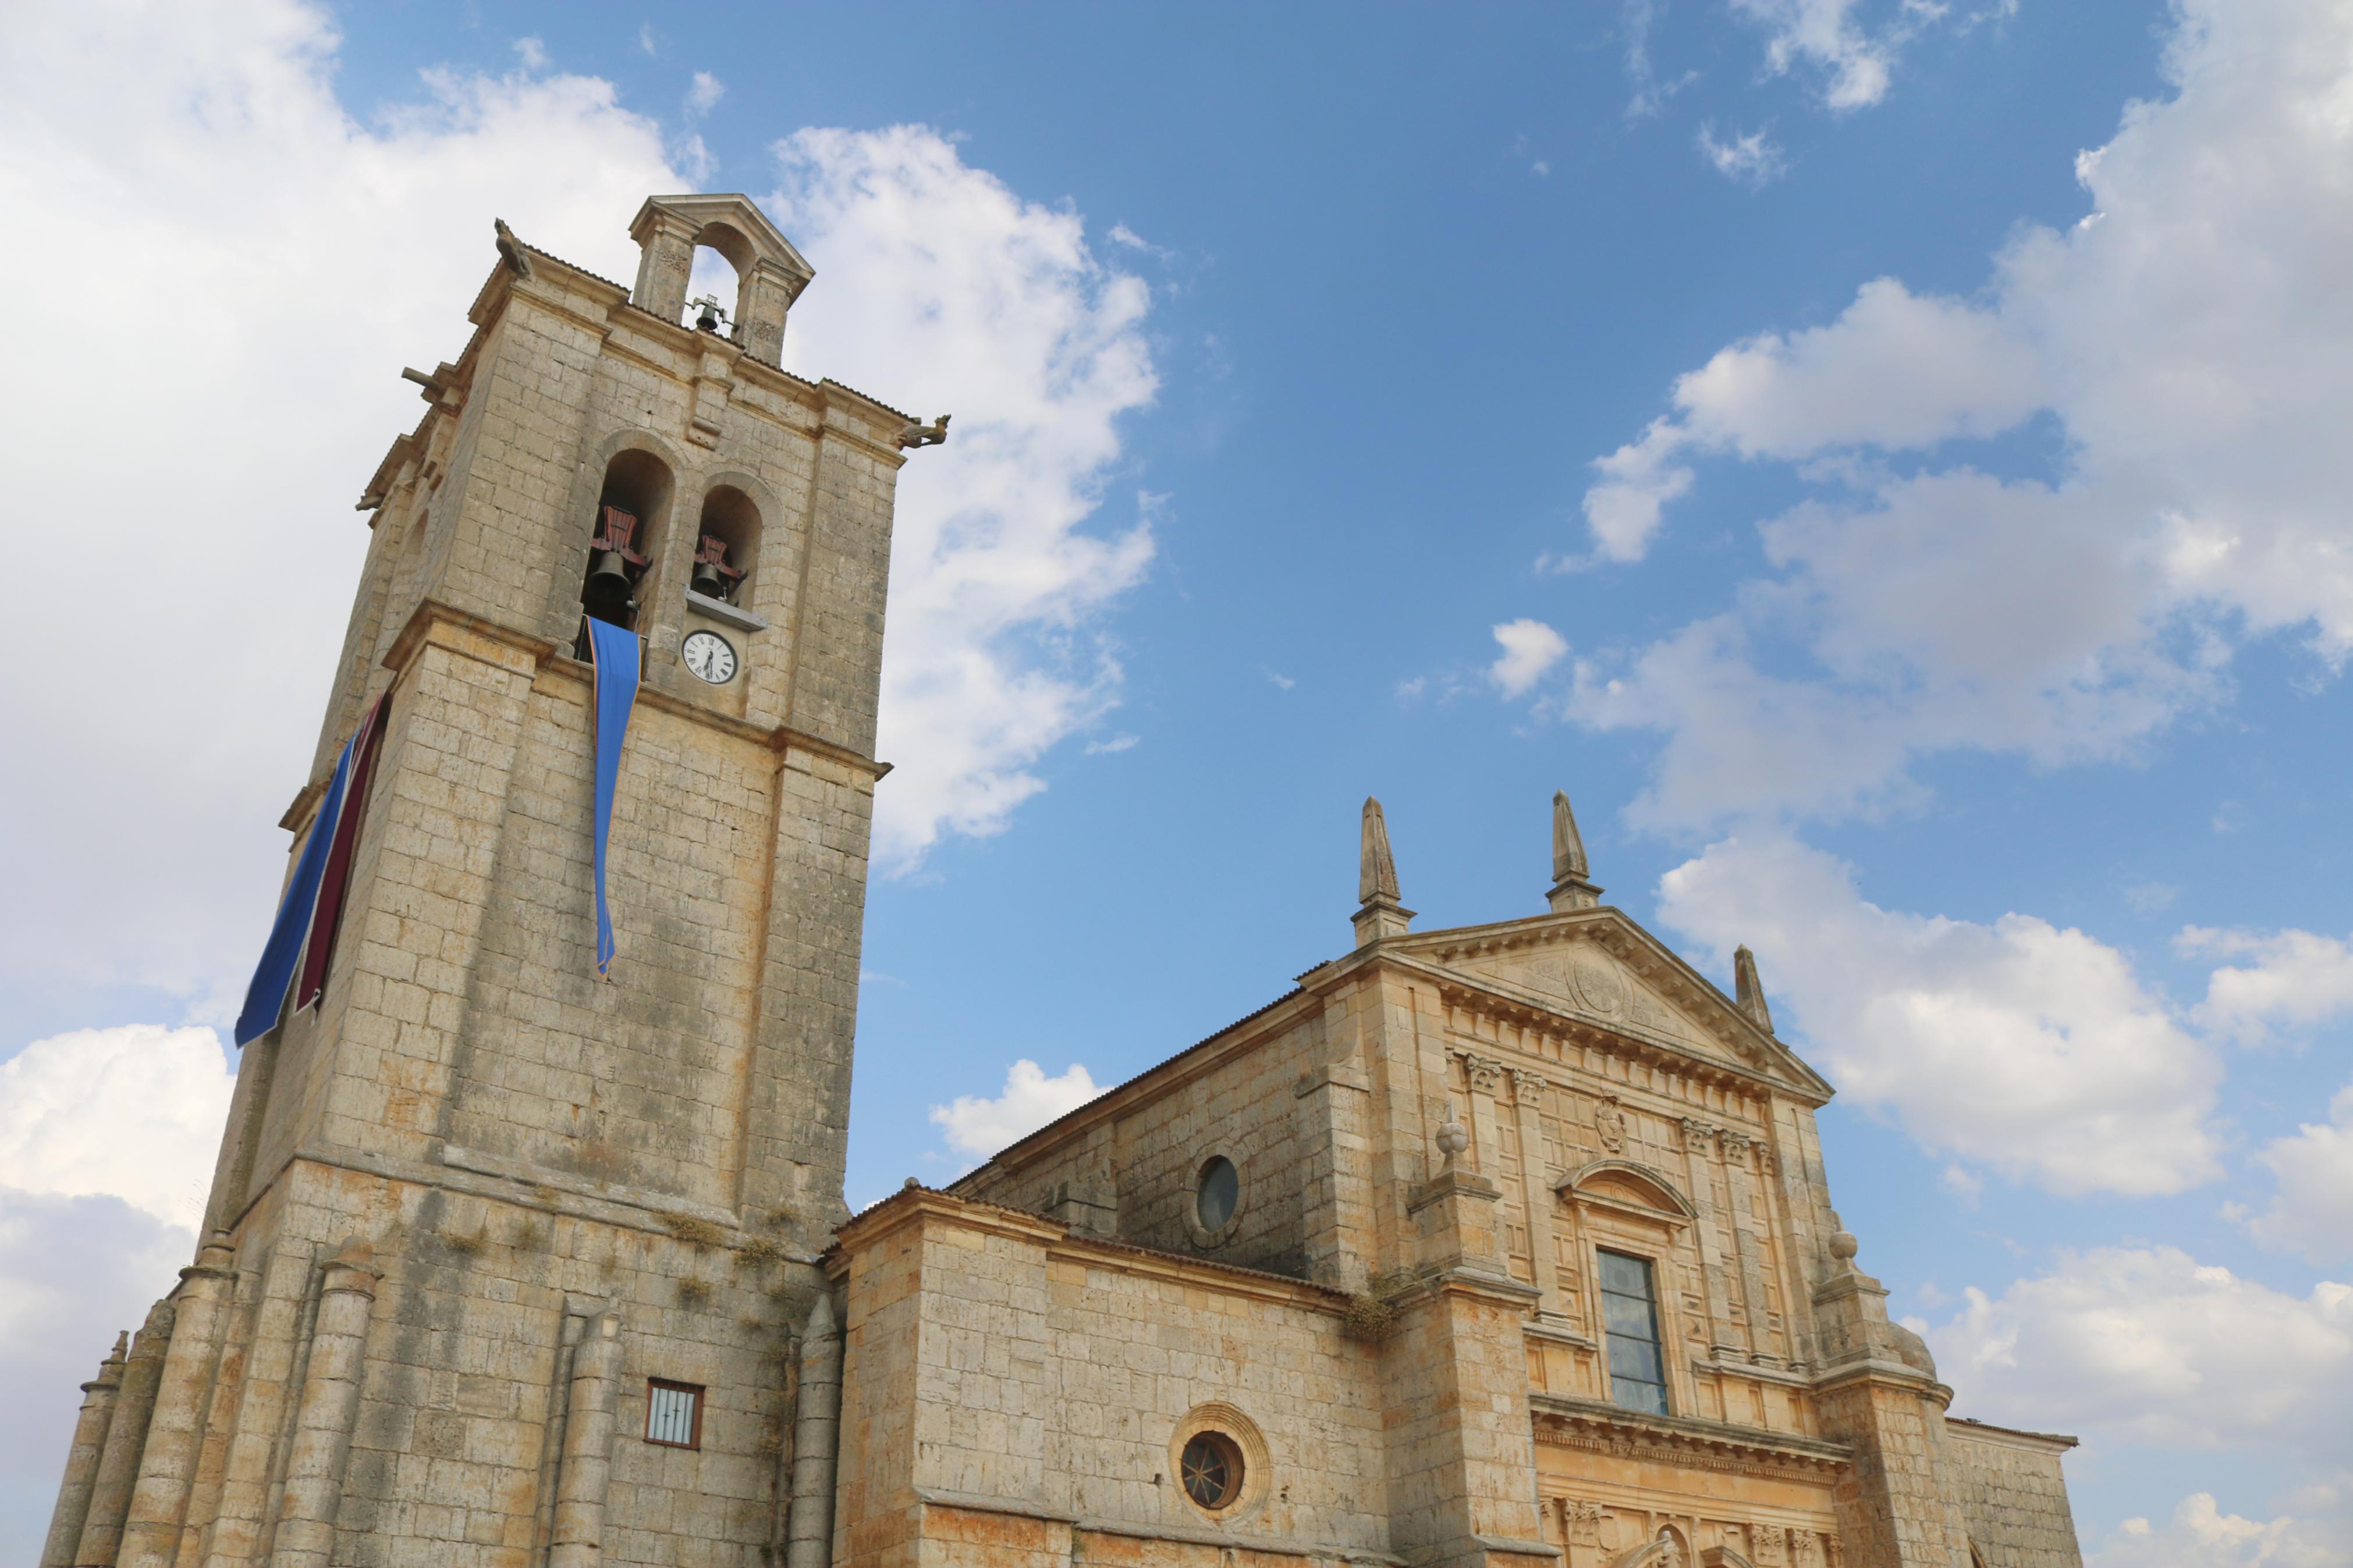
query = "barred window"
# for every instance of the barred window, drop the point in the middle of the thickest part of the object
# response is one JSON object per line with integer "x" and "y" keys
{"x": 1629, "y": 1317}
{"x": 673, "y": 1414}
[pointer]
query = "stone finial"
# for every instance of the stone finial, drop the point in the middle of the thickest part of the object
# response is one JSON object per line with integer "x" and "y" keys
{"x": 1572, "y": 884}
{"x": 1377, "y": 881}
{"x": 1749, "y": 991}
{"x": 1377, "y": 875}
{"x": 1567, "y": 843}
{"x": 1452, "y": 1137}
{"x": 819, "y": 1325}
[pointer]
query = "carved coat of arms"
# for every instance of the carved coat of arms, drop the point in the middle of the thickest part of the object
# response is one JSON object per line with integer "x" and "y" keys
{"x": 1609, "y": 1125}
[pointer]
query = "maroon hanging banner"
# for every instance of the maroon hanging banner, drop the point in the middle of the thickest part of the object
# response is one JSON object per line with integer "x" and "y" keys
{"x": 337, "y": 880}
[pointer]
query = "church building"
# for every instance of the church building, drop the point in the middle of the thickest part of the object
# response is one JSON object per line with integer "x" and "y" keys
{"x": 1509, "y": 1245}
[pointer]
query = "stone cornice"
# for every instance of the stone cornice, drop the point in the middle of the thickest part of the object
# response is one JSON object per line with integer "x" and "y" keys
{"x": 549, "y": 286}
{"x": 2010, "y": 1436}
{"x": 927, "y": 1206}
{"x": 445, "y": 625}
{"x": 1594, "y": 1427}
{"x": 1506, "y": 1003}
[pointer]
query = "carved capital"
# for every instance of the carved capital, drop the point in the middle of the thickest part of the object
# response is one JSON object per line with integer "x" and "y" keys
{"x": 1486, "y": 1074}
{"x": 1530, "y": 1087}
{"x": 1697, "y": 1133}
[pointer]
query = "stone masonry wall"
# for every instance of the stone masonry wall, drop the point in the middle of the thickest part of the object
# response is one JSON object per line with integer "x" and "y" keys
{"x": 998, "y": 1365}
{"x": 2014, "y": 1497}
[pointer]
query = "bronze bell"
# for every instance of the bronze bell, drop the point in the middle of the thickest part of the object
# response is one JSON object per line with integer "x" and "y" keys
{"x": 607, "y": 594}
{"x": 707, "y": 582}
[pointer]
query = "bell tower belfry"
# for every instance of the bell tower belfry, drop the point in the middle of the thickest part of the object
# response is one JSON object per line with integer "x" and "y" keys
{"x": 504, "y": 1260}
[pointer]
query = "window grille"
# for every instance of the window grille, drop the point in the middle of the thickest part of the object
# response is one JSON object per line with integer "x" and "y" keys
{"x": 673, "y": 1414}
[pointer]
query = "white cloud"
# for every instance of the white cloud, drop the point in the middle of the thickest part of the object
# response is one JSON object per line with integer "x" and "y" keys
{"x": 1755, "y": 160}
{"x": 1120, "y": 742}
{"x": 945, "y": 289}
{"x": 532, "y": 52}
{"x": 1530, "y": 648}
{"x": 1824, "y": 33}
{"x": 2312, "y": 1211}
{"x": 2192, "y": 340}
{"x": 1638, "y": 480}
{"x": 2147, "y": 1345}
{"x": 313, "y": 255}
{"x": 2017, "y": 1046}
{"x": 2201, "y": 1535}
{"x": 1279, "y": 681}
{"x": 133, "y": 1112}
{"x": 1895, "y": 369}
{"x": 2293, "y": 978}
{"x": 705, "y": 94}
{"x": 979, "y": 1127}
{"x": 1123, "y": 235}
{"x": 1652, "y": 94}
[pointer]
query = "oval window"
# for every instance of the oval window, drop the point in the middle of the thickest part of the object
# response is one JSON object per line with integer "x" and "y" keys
{"x": 1220, "y": 1191}
{"x": 1212, "y": 1464}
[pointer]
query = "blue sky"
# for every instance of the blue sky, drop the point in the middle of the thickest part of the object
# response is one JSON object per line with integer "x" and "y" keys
{"x": 1886, "y": 460}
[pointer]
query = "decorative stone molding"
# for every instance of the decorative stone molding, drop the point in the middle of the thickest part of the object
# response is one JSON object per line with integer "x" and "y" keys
{"x": 1596, "y": 1428}
{"x": 1529, "y": 1087}
{"x": 1486, "y": 1074}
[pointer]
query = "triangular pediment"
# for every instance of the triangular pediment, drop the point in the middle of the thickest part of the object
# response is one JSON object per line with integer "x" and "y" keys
{"x": 1599, "y": 967}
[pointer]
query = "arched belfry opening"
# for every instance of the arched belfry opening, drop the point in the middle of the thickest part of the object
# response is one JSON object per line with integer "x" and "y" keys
{"x": 769, "y": 273}
{"x": 727, "y": 546}
{"x": 624, "y": 535}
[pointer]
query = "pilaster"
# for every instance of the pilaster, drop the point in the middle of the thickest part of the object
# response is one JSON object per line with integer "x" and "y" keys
{"x": 158, "y": 1501}
{"x": 305, "y": 1536}
{"x": 126, "y": 1440}
{"x": 1529, "y": 1091}
{"x": 81, "y": 1460}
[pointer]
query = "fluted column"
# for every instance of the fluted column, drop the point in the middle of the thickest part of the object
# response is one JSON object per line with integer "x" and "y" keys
{"x": 81, "y": 1460}
{"x": 816, "y": 1433}
{"x": 126, "y": 1439}
{"x": 151, "y": 1531}
{"x": 323, "y": 1418}
{"x": 578, "y": 1538}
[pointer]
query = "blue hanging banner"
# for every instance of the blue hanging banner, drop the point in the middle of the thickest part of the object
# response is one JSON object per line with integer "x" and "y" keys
{"x": 613, "y": 651}
{"x": 264, "y": 999}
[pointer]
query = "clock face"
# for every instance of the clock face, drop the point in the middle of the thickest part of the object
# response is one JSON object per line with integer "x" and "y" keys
{"x": 709, "y": 658}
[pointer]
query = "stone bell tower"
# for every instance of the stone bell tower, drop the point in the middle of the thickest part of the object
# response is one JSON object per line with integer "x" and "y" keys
{"x": 504, "y": 1261}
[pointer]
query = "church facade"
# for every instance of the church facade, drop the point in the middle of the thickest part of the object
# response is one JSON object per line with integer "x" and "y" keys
{"x": 1502, "y": 1246}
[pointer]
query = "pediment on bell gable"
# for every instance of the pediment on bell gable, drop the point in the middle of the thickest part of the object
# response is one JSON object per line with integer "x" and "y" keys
{"x": 1599, "y": 967}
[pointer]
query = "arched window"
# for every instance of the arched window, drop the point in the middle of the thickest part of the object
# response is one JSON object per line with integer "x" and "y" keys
{"x": 624, "y": 536}
{"x": 727, "y": 546}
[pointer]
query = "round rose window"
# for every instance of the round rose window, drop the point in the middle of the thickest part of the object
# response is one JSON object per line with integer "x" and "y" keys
{"x": 1212, "y": 1469}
